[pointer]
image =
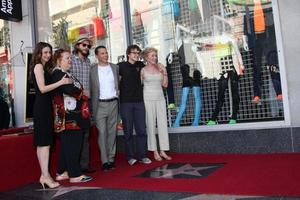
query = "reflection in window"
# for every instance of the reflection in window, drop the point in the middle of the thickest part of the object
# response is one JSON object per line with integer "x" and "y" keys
{"x": 152, "y": 24}
{"x": 6, "y": 78}
{"x": 67, "y": 20}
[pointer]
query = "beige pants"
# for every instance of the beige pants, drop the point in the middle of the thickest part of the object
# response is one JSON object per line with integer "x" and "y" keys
{"x": 156, "y": 111}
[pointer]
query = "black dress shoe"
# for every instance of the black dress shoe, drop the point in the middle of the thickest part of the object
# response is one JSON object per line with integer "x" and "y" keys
{"x": 88, "y": 170}
{"x": 106, "y": 167}
{"x": 112, "y": 165}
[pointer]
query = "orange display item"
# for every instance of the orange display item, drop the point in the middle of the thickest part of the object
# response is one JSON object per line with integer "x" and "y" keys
{"x": 99, "y": 27}
{"x": 259, "y": 18}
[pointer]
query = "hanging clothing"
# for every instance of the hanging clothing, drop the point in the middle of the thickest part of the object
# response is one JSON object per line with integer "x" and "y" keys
{"x": 259, "y": 44}
{"x": 99, "y": 27}
{"x": 193, "y": 5}
{"x": 171, "y": 7}
{"x": 259, "y": 18}
{"x": 223, "y": 85}
{"x": 247, "y": 2}
{"x": 170, "y": 89}
{"x": 210, "y": 50}
{"x": 187, "y": 84}
{"x": 137, "y": 18}
{"x": 204, "y": 9}
{"x": 272, "y": 60}
{"x": 138, "y": 30}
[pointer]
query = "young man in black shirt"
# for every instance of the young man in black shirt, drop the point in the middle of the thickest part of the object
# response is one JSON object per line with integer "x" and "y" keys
{"x": 132, "y": 106}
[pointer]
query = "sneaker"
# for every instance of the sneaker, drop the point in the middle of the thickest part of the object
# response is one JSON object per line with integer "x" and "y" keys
{"x": 232, "y": 121}
{"x": 256, "y": 99}
{"x": 212, "y": 122}
{"x": 132, "y": 161}
{"x": 146, "y": 160}
{"x": 279, "y": 97}
{"x": 171, "y": 106}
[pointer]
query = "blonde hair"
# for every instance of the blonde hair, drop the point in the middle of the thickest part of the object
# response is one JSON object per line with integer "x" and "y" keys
{"x": 147, "y": 51}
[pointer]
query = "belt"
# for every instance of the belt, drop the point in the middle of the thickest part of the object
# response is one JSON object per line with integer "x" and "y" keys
{"x": 108, "y": 100}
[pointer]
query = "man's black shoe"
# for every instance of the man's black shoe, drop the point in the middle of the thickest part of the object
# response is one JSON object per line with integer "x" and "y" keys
{"x": 106, "y": 167}
{"x": 112, "y": 165}
{"x": 88, "y": 170}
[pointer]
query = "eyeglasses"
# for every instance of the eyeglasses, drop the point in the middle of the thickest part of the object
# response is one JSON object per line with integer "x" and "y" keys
{"x": 135, "y": 52}
{"x": 86, "y": 45}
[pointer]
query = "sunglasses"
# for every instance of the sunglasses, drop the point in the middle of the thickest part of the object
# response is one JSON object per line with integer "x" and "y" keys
{"x": 86, "y": 45}
{"x": 137, "y": 52}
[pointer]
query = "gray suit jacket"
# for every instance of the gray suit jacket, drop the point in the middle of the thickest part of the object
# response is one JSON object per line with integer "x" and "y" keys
{"x": 95, "y": 84}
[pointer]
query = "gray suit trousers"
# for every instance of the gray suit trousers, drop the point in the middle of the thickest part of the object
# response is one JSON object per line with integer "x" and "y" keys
{"x": 106, "y": 122}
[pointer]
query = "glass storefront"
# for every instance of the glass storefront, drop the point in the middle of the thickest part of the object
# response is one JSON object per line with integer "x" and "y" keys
{"x": 6, "y": 78}
{"x": 227, "y": 48}
{"x": 61, "y": 22}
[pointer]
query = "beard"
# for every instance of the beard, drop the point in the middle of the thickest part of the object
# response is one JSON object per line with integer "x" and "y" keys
{"x": 85, "y": 53}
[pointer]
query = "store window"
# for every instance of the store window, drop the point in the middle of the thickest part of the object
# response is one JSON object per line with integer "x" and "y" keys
{"x": 61, "y": 22}
{"x": 6, "y": 78}
{"x": 225, "y": 50}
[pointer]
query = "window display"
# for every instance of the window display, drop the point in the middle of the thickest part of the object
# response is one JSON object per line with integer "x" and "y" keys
{"x": 187, "y": 84}
{"x": 232, "y": 43}
{"x": 100, "y": 21}
{"x": 6, "y": 79}
{"x": 228, "y": 46}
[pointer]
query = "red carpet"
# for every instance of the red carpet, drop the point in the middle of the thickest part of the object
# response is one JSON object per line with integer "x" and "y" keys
{"x": 263, "y": 175}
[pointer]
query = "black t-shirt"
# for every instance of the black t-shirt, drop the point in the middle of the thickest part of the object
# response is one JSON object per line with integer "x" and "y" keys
{"x": 131, "y": 89}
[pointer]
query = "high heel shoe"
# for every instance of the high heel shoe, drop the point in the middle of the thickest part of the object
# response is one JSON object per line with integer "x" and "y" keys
{"x": 157, "y": 157}
{"x": 61, "y": 177}
{"x": 165, "y": 156}
{"x": 48, "y": 183}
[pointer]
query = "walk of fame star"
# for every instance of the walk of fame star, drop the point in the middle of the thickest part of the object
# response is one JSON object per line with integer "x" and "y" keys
{"x": 176, "y": 170}
{"x": 185, "y": 169}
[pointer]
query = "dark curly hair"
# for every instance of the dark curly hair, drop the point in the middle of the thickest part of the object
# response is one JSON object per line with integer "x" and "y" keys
{"x": 37, "y": 58}
{"x": 132, "y": 47}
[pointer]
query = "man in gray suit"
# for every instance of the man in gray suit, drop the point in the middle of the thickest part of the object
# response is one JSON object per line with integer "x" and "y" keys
{"x": 104, "y": 91}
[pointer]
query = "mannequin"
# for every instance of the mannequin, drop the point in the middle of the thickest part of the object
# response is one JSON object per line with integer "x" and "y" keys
{"x": 272, "y": 59}
{"x": 187, "y": 84}
{"x": 197, "y": 96}
{"x": 232, "y": 66}
{"x": 220, "y": 58}
{"x": 260, "y": 33}
{"x": 170, "y": 89}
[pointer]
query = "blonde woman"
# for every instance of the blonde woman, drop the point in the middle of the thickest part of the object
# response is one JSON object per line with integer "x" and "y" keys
{"x": 154, "y": 77}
